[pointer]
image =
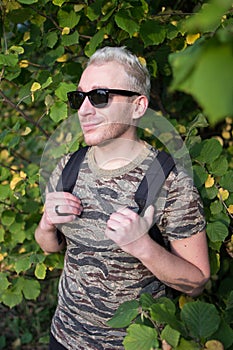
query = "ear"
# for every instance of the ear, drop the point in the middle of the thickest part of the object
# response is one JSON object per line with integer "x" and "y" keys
{"x": 140, "y": 105}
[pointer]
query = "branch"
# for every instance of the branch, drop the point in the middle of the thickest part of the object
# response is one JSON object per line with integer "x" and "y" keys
{"x": 13, "y": 105}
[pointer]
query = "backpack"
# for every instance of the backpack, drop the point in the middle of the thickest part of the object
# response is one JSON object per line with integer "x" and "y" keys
{"x": 146, "y": 193}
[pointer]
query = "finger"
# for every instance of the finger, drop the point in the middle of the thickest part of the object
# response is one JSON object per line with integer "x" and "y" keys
{"x": 63, "y": 196}
{"x": 67, "y": 210}
{"x": 149, "y": 214}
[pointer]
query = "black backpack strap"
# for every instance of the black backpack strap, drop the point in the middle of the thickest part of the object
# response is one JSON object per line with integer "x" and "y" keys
{"x": 150, "y": 186}
{"x": 70, "y": 172}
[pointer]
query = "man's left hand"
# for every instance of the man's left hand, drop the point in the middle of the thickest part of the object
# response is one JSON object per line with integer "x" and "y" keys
{"x": 125, "y": 227}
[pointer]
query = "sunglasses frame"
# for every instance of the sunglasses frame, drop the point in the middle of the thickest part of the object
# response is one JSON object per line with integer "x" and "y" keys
{"x": 74, "y": 105}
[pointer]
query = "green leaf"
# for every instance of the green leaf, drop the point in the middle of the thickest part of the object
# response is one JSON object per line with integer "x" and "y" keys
{"x": 224, "y": 334}
{"x": 163, "y": 311}
{"x": 209, "y": 193}
{"x": 172, "y": 31}
{"x": 68, "y": 19}
{"x": 181, "y": 64}
{"x": 2, "y": 234}
{"x": 211, "y": 74}
{"x": 200, "y": 175}
{"x": 216, "y": 231}
{"x": 11, "y": 298}
{"x": 8, "y": 59}
{"x": 53, "y": 55}
{"x": 4, "y": 191}
{"x": 4, "y": 283}
{"x": 63, "y": 88}
{"x": 210, "y": 151}
{"x": 200, "y": 318}
{"x": 70, "y": 39}
{"x": 209, "y": 17}
{"x": 51, "y": 39}
{"x": 171, "y": 336}
{"x": 146, "y": 301}
{"x": 94, "y": 10}
{"x": 58, "y": 2}
{"x": 140, "y": 337}
{"x": 152, "y": 33}
{"x": 124, "y": 22}
{"x": 96, "y": 40}
{"x": 7, "y": 217}
{"x": 226, "y": 181}
{"x": 40, "y": 271}
{"x": 219, "y": 166}
{"x": 28, "y": 2}
{"x": 126, "y": 312}
{"x": 216, "y": 207}
{"x": 58, "y": 111}
{"x": 187, "y": 345}
{"x": 31, "y": 289}
{"x": 22, "y": 264}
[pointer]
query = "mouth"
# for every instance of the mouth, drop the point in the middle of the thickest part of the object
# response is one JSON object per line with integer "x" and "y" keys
{"x": 89, "y": 126}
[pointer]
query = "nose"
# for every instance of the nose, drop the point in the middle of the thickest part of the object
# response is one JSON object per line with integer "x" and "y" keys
{"x": 86, "y": 107}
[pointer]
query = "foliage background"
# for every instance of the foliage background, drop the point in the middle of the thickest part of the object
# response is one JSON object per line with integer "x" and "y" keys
{"x": 188, "y": 47}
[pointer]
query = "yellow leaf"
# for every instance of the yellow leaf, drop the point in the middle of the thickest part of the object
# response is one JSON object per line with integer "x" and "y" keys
{"x": 16, "y": 179}
{"x": 214, "y": 345}
{"x": 17, "y": 49}
{"x": 184, "y": 299}
{"x": 181, "y": 129}
{"x": 191, "y": 38}
{"x": 78, "y": 8}
{"x": 209, "y": 182}
{"x": 63, "y": 58}
{"x": 24, "y": 64}
{"x": 35, "y": 86}
{"x": 22, "y": 174}
{"x": 26, "y": 131}
{"x": 219, "y": 139}
{"x": 4, "y": 154}
{"x": 65, "y": 31}
{"x": 26, "y": 36}
{"x": 226, "y": 135}
{"x": 229, "y": 120}
{"x": 230, "y": 209}
{"x": 223, "y": 194}
{"x": 22, "y": 250}
{"x": 142, "y": 60}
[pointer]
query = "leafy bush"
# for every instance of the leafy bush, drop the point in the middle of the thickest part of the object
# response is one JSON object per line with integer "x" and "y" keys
{"x": 188, "y": 49}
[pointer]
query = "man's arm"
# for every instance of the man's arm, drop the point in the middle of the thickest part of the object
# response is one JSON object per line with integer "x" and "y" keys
{"x": 184, "y": 268}
{"x": 46, "y": 233}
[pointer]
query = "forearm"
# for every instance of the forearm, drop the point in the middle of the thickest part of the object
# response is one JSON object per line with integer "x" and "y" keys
{"x": 47, "y": 238}
{"x": 171, "y": 269}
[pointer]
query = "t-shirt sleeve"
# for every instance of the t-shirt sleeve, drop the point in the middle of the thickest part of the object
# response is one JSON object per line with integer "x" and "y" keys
{"x": 55, "y": 175}
{"x": 184, "y": 214}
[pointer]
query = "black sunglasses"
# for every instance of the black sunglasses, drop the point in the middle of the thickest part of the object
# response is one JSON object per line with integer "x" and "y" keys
{"x": 98, "y": 97}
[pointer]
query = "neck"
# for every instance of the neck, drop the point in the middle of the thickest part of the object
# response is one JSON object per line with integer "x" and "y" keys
{"x": 118, "y": 152}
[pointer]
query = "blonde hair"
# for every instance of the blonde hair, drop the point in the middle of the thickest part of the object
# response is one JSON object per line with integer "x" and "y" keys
{"x": 138, "y": 75}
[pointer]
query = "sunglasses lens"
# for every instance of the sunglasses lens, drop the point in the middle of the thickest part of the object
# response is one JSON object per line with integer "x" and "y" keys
{"x": 76, "y": 99}
{"x": 99, "y": 98}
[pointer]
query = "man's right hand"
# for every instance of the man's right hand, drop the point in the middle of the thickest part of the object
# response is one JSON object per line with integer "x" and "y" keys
{"x": 60, "y": 208}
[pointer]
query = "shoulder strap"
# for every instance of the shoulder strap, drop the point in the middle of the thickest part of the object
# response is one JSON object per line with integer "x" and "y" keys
{"x": 70, "y": 172}
{"x": 146, "y": 192}
{"x": 150, "y": 186}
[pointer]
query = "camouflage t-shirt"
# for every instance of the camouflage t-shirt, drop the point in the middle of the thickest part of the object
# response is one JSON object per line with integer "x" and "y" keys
{"x": 98, "y": 276}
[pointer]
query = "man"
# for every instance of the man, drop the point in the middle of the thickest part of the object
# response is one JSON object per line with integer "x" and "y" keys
{"x": 110, "y": 257}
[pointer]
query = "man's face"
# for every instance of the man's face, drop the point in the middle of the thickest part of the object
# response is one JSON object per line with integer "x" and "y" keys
{"x": 114, "y": 120}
